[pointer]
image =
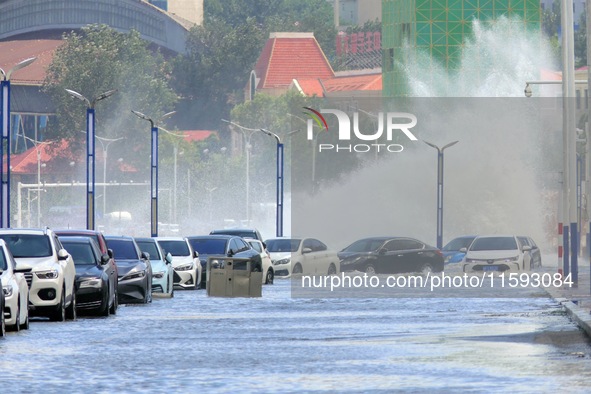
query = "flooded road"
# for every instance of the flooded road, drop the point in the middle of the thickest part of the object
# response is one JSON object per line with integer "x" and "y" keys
{"x": 278, "y": 344}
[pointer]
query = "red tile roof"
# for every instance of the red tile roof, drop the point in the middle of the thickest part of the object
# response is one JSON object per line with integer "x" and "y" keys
{"x": 344, "y": 83}
{"x": 291, "y": 55}
{"x": 16, "y": 50}
{"x": 196, "y": 135}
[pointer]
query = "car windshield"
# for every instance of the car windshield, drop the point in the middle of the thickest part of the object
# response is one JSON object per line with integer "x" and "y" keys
{"x": 206, "y": 246}
{"x": 28, "y": 245}
{"x": 81, "y": 253}
{"x": 494, "y": 243}
{"x": 175, "y": 248}
{"x": 123, "y": 249}
{"x": 150, "y": 248}
{"x": 458, "y": 243}
{"x": 3, "y": 264}
{"x": 283, "y": 245}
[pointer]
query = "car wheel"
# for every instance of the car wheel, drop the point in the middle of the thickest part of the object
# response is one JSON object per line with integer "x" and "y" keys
{"x": 25, "y": 325}
{"x": 17, "y": 324}
{"x": 297, "y": 269}
{"x": 60, "y": 313}
{"x": 269, "y": 277}
{"x": 71, "y": 310}
{"x": 115, "y": 304}
{"x": 105, "y": 312}
{"x": 2, "y": 325}
{"x": 332, "y": 269}
{"x": 370, "y": 270}
{"x": 426, "y": 269}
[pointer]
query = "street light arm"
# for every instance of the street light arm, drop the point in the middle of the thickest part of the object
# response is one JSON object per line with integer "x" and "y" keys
{"x": 269, "y": 133}
{"x": 103, "y": 96}
{"x": 432, "y": 145}
{"x": 144, "y": 117}
{"x": 448, "y": 145}
{"x": 237, "y": 125}
{"x": 166, "y": 116}
{"x": 18, "y": 66}
{"x": 79, "y": 97}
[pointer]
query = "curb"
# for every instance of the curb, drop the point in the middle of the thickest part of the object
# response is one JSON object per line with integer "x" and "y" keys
{"x": 579, "y": 315}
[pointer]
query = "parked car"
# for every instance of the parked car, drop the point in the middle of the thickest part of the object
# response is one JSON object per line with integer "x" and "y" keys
{"x": 396, "y": 255}
{"x": 96, "y": 277}
{"x": 49, "y": 271}
{"x": 307, "y": 256}
{"x": 536, "y": 255}
{"x": 223, "y": 245}
{"x": 362, "y": 246}
{"x": 135, "y": 270}
{"x": 15, "y": 291}
{"x": 243, "y": 232}
{"x": 268, "y": 272}
{"x": 162, "y": 271}
{"x": 451, "y": 251}
{"x": 98, "y": 237}
{"x": 497, "y": 253}
{"x": 185, "y": 261}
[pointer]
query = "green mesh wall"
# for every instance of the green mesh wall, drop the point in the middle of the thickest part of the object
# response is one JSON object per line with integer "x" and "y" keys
{"x": 439, "y": 28}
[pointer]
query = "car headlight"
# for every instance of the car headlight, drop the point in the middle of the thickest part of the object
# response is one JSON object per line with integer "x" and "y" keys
{"x": 91, "y": 282}
{"x": 158, "y": 275}
{"x": 512, "y": 259}
{"x": 282, "y": 261}
{"x": 184, "y": 267}
{"x": 7, "y": 290}
{"x": 51, "y": 274}
{"x": 134, "y": 275}
{"x": 447, "y": 259}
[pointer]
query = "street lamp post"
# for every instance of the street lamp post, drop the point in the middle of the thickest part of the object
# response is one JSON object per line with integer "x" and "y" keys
{"x": 90, "y": 150}
{"x": 247, "y": 148}
{"x": 440, "y": 189}
{"x": 38, "y": 145}
{"x": 279, "y": 192}
{"x": 5, "y": 133}
{"x": 314, "y": 148}
{"x": 154, "y": 168}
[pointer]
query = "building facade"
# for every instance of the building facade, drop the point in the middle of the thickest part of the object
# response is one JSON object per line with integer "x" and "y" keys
{"x": 439, "y": 29}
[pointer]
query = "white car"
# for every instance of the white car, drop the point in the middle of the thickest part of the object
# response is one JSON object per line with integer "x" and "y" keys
{"x": 16, "y": 291}
{"x": 185, "y": 261}
{"x": 307, "y": 256}
{"x": 48, "y": 269}
{"x": 268, "y": 272}
{"x": 497, "y": 253}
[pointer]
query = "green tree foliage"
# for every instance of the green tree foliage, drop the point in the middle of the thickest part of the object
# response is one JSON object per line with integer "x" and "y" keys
{"x": 98, "y": 59}
{"x": 551, "y": 26}
{"x": 581, "y": 42}
{"x": 220, "y": 54}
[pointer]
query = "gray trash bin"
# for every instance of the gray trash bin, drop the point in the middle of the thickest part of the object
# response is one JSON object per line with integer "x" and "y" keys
{"x": 232, "y": 277}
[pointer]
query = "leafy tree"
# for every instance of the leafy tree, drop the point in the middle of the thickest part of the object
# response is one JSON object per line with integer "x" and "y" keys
{"x": 99, "y": 59}
{"x": 581, "y": 42}
{"x": 551, "y": 26}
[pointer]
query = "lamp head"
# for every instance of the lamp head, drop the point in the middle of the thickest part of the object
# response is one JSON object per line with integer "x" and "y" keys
{"x": 527, "y": 91}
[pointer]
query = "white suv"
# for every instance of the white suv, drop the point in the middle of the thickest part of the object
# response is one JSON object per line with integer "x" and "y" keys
{"x": 48, "y": 268}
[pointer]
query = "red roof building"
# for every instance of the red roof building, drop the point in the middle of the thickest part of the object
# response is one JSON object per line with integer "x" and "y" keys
{"x": 344, "y": 84}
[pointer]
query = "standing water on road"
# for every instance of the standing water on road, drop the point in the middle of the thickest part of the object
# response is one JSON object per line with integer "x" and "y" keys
{"x": 277, "y": 344}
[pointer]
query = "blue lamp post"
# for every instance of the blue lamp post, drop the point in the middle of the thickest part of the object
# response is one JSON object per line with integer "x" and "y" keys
{"x": 440, "y": 190}
{"x": 279, "y": 213}
{"x": 154, "y": 168}
{"x": 90, "y": 150}
{"x": 5, "y": 128}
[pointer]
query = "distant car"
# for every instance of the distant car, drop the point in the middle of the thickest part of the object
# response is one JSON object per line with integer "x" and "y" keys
{"x": 223, "y": 245}
{"x": 162, "y": 271}
{"x": 49, "y": 271}
{"x": 268, "y": 273}
{"x": 497, "y": 253}
{"x": 185, "y": 261}
{"x": 15, "y": 291}
{"x": 396, "y": 255}
{"x": 451, "y": 251}
{"x": 536, "y": 255}
{"x": 243, "y": 232}
{"x": 135, "y": 270}
{"x": 364, "y": 245}
{"x": 96, "y": 277}
{"x": 308, "y": 256}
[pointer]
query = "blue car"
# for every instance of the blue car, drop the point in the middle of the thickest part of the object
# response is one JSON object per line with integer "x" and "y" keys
{"x": 451, "y": 251}
{"x": 162, "y": 270}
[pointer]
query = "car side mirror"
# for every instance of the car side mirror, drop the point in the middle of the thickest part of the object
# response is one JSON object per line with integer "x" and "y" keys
{"x": 105, "y": 259}
{"x": 195, "y": 254}
{"x": 526, "y": 248}
{"x": 463, "y": 250}
{"x": 168, "y": 258}
{"x": 145, "y": 256}
{"x": 382, "y": 252}
{"x": 264, "y": 245}
{"x": 231, "y": 253}
{"x": 110, "y": 252}
{"x": 306, "y": 250}
{"x": 62, "y": 254}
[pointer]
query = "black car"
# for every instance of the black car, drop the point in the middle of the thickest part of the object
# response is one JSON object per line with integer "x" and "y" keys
{"x": 362, "y": 246}
{"x": 536, "y": 255}
{"x": 96, "y": 276}
{"x": 135, "y": 270}
{"x": 240, "y": 232}
{"x": 224, "y": 245}
{"x": 395, "y": 255}
{"x": 2, "y": 320}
